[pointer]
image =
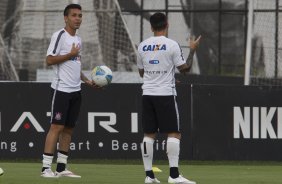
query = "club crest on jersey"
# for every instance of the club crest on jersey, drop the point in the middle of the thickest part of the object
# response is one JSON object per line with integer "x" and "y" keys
{"x": 58, "y": 116}
{"x": 154, "y": 47}
{"x": 76, "y": 59}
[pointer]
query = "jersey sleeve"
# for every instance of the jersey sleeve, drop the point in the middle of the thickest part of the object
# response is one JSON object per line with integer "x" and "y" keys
{"x": 177, "y": 55}
{"x": 55, "y": 44}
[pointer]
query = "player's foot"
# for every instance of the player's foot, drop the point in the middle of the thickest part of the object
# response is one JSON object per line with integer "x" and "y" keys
{"x": 48, "y": 173}
{"x": 179, "y": 180}
{"x": 151, "y": 180}
{"x": 66, "y": 173}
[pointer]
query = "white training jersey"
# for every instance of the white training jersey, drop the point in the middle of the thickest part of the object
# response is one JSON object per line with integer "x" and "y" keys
{"x": 67, "y": 74}
{"x": 159, "y": 56}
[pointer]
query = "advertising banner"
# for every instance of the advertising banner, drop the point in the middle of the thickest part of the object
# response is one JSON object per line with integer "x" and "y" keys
{"x": 217, "y": 122}
{"x": 237, "y": 123}
{"x": 109, "y": 125}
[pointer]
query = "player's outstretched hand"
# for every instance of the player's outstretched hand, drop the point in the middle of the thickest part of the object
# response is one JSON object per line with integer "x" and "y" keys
{"x": 194, "y": 43}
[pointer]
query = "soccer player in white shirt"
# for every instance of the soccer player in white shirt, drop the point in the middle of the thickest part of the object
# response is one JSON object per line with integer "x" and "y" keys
{"x": 157, "y": 59}
{"x": 64, "y": 55}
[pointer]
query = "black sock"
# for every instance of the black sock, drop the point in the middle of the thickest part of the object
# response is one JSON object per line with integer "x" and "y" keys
{"x": 61, "y": 167}
{"x": 63, "y": 152}
{"x": 43, "y": 168}
{"x": 150, "y": 174}
{"x": 48, "y": 154}
{"x": 174, "y": 173}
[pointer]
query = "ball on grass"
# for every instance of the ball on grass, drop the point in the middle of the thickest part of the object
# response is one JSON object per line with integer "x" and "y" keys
{"x": 1, "y": 171}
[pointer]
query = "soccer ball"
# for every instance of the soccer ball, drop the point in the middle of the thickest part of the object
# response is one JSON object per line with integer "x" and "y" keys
{"x": 102, "y": 75}
{"x": 1, "y": 171}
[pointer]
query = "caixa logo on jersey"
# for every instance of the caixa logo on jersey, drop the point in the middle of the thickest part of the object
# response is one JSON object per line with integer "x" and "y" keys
{"x": 92, "y": 118}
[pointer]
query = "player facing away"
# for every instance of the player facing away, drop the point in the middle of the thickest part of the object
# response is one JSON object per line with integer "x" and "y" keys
{"x": 157, "y": 59}
{"x": 64, "y": 55}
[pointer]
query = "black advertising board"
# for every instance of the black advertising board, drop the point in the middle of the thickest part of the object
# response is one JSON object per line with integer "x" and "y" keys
{"x": 237, "y": 123}
{"x": 217, "y": 122}
{"x": 109, "y": 126}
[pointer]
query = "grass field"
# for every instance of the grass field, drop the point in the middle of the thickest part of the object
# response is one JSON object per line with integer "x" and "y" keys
{"x": 101, "y": 173}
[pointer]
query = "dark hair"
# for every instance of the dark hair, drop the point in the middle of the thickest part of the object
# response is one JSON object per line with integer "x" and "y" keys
{"x": 71, "y": 6}
{"x": 158, "y": 21}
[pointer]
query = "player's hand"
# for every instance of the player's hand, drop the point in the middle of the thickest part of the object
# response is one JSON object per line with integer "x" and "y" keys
{"x": 194, "y": 43}
{"x": 95, "y": 85}
{"x": 92, "y": 84}
{"x": 74, "y": 50}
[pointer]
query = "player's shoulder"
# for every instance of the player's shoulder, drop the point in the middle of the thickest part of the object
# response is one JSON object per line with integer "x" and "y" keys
{"x": 171, "y": 41}
{"x": 166, "y": 40}
{"x": 59, "y": 33}
{"x": 141, "y": 44}
{"x": 78, "y": 37}
{"x": 145, "y": 41}
{"x": 153, "y": 40}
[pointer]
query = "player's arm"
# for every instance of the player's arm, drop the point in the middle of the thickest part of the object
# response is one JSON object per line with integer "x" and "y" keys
{"x": 52, "y": 60}
{"x": 140, "y": 64}
{"x": 84, "y": 78}
{"x": 189, "y": 61}
{"x": 141, "y": 72}
{"x": 87, "y": 81}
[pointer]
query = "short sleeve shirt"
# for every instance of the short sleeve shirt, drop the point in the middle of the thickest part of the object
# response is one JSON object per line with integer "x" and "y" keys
{"x": 159, "y": 56}
{"x": 67, "y": 74}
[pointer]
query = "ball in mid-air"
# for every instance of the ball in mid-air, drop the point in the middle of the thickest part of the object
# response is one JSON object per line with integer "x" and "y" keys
{"x": 102, "y": 75}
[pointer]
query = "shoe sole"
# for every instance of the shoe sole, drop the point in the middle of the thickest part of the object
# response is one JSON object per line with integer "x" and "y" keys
{"x": 69, "y": 176}
{"x": 181, "y": 183}
{"x": 49, "y": 176}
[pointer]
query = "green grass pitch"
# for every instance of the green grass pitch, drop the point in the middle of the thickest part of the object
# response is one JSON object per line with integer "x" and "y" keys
{"x": 107, "y": 173}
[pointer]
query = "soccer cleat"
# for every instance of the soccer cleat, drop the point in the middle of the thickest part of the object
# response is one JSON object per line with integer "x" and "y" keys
{"x": 180, "y": 180}
{"x": 151, "y": 180}
{"x": 67, "y": 173}
{"x": 48, "y": 173}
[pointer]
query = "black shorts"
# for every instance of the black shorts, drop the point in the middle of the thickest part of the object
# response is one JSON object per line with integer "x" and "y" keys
{"x": 160, "y": 114}
{"x": 65, "y": 108}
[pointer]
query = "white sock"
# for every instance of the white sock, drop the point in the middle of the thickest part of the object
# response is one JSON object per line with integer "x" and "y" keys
{"x": 62, "y": 158}
{"x": 47, "y": 161}
{"x": 172, "y": 150}
{"x": 147, "y": 148}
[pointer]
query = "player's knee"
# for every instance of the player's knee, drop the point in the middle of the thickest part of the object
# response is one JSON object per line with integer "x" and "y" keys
{"x": 151, "y": 135}
{"x": 56, "y": 128}
{"x": 68, "y": 130}
{"x": 176, "y": 135}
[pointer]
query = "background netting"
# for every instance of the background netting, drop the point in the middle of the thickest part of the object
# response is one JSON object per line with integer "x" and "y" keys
{"x": 29, "y": 28}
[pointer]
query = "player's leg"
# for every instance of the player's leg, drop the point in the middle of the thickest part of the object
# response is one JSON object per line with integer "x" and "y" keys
{"x": 63, "y": 150}
{"x": 66, "y": 135}
{"x": 147, "y": 150}
{"x": 50, "y": 145}
{"x": 169, "y": 117}
{"x": 173, "y": 150}
{"x": 149, "y": 125}
{"x": 58, "y": 108}
{"x": 169, "y": 123}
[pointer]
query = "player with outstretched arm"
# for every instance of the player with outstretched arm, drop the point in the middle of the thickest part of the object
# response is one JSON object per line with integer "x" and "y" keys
{"x": 157, "y": 59}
